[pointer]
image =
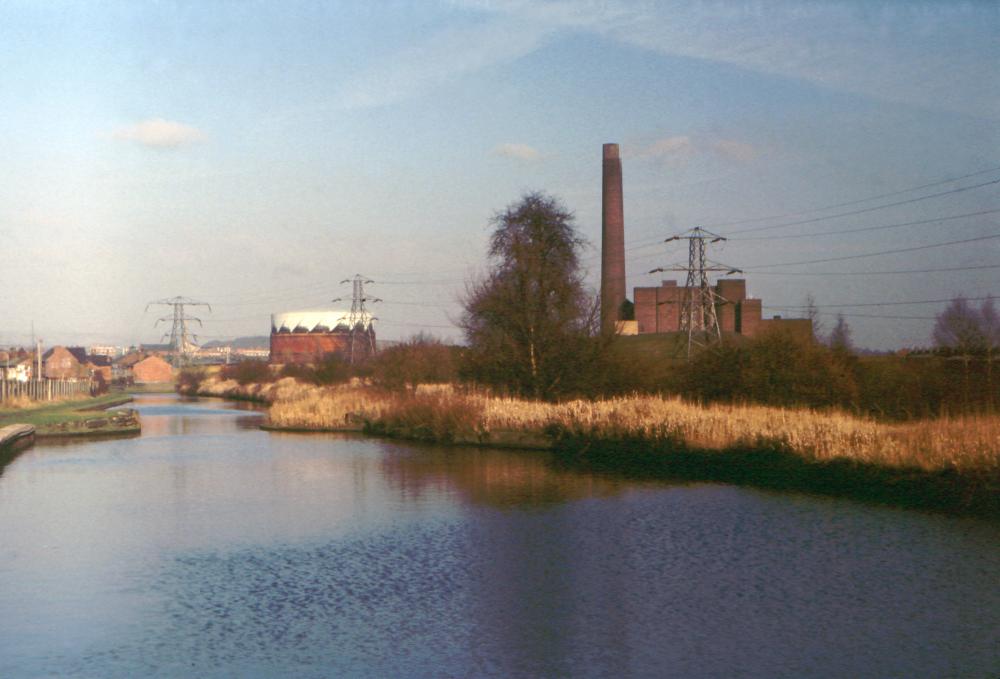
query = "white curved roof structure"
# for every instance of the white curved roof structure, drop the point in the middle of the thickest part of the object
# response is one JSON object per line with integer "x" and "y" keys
{"x": 309, "y": 321}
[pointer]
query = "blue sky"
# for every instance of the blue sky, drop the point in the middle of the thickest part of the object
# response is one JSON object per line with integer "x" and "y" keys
{"x": 255, "y": 154}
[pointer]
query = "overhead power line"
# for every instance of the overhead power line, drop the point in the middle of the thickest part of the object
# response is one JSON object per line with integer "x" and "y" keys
{"x": 850, "y": 315}
{"x": 875, "y": 273}
{"x": 875, "y": 254}
{"x": 868, "y": 209}
{"x": 935, "y": 220}
{"x": 854, "y": 202}
{"x": 868, "y": 304}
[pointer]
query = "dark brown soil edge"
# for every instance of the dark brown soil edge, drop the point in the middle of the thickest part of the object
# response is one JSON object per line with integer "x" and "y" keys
{"x": 949, "y": 491}
{"x": 967, "y": 493}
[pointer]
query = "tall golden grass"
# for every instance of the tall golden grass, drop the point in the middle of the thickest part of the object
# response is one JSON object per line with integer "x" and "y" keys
{"x": 964, "y": 443}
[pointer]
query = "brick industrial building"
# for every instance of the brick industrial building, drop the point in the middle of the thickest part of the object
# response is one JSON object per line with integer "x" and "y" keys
{"x": 304, "y": 337}
{"x": 658, "y": 309}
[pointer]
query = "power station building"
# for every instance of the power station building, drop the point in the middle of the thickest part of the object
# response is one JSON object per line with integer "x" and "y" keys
{"x": 305, "y": 337}
{"x": 658, "y": 309}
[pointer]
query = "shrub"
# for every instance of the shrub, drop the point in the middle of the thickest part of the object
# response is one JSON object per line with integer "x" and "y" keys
{"x": 189, "y": 380}
{"x": 419, "y": 360}
{"x": 248, "y": 372}
{"x": 777, "y": 368}
{"x": 331, "y": 370}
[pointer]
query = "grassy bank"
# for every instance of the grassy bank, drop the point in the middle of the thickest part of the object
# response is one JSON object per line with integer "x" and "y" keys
{"x": 77, "y": 417}
{"x": 951, "y": 464}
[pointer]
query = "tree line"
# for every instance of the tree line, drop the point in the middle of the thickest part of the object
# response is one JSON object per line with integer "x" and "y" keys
{"x": 533, "y": 330}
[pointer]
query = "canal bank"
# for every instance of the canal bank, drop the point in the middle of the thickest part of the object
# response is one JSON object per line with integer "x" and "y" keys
{"x": 944, "y": 465}
{"x": 207, "y": 547}
{"x": 93, "y": 416}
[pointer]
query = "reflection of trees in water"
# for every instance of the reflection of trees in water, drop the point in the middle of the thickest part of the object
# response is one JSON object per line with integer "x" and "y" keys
{"x": 538, "y": 574}
{"x": 498, "y": 478}
{"x": 173, "y": 425}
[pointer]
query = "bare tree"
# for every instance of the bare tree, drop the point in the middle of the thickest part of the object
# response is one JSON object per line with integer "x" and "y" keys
{"x": 840, "y": 336}
{"x": 812, "y": 313}
{"x": 527, "y": 320}
{"x": 966, "y": 330}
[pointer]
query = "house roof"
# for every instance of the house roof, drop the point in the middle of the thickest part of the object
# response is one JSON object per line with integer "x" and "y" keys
{"x": 153, "y": 359}
{"x": 79, "y": 353}
{"x": 99, "y": 361}
{"x": 128, "y": 360}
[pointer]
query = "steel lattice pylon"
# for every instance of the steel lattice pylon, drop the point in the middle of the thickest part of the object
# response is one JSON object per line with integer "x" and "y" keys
{"x": 359, "y": 320}
{"x": 698, "y": 318}
{"x": 182, "y": 343}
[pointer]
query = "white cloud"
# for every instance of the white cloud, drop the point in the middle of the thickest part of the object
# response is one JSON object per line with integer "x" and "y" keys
{"x": 518, "y": 151}
{"x": 683, "y": 149}
{"x": 673, "y": 148}
{"x": 159, "y": 133}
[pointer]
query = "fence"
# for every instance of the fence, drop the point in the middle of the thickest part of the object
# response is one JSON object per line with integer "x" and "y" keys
{"x": 43, "y": 390}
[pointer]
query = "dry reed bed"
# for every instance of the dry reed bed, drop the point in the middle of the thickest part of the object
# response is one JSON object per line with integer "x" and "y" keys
{"x": 966, "y": 443}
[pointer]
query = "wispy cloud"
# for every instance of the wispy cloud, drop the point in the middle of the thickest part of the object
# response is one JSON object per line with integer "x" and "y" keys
{"x": 518, "y": 151}
{"x": 669, "y": 148}
{"x": 683, "y": 149}
{"x": 159, "y": 133}
{"x": 442, "y": 58}
{"x": 938, "y": 55}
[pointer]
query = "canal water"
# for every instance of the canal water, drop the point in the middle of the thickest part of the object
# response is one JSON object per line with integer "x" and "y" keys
{"x": 209, "y": 548}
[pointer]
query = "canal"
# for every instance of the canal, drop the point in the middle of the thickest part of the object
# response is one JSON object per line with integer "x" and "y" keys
{"x": 209, "y": 548}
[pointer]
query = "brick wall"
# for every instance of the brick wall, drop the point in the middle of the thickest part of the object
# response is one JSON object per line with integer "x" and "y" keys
{"x": 312, "y": 347}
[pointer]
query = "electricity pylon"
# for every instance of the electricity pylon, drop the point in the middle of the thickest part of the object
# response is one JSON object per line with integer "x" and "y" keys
{"x": 359, "y": 320}
{"x": 182, "y": 343}
{"x": 698, "y": 316}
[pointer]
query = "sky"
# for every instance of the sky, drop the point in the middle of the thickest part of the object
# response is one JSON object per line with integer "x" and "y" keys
{"x": 253, "y": 155}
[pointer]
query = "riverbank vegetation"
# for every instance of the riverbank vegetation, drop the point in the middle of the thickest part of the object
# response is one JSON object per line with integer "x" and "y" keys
{"x": 73, "y": 417}
{"x": 948, "y": 463}
{"x": 777, "y": 410}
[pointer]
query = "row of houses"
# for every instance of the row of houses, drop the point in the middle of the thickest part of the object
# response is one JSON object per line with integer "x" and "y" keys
{"x": 75, "y": 363}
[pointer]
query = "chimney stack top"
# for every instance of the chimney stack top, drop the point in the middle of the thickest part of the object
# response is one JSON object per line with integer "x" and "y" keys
{"x": 611, "y": 152}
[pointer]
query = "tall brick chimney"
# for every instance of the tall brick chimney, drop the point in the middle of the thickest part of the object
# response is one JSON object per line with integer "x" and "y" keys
{"x": 612, "y": 240}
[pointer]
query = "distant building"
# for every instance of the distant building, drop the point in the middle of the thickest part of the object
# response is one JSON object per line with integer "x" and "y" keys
{"x": 65, "y": 363}
{"x": 100, "y": 365}
{"x": 152, "y": 369}
{"x": 107, "y": 350}
{"x": 658, "y": 310}
{"x": 304, "y": 337}
{"x": 15, "y": 367}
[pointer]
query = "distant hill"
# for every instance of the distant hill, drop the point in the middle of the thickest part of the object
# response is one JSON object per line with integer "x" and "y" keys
{"x": 257, "y": 342}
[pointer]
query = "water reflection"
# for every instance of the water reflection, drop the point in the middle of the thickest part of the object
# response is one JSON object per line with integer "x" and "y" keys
{"x": 208, "y": 549}
{"x": 498, "y": 478}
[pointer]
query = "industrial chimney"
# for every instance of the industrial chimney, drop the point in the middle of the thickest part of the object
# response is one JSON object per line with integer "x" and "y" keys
{"x": 612, "y": 240}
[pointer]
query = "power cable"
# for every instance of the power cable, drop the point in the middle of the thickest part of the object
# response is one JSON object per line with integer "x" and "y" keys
{"x": 853, "y": 202}
{"x": 875, "y": 273}
{"x": 868, "y": 209}
{"x": 936, "y": 220}
{"x": 874, "y": 254}
{"x": 867, "y": 304}
{"x": 827, "y": 313}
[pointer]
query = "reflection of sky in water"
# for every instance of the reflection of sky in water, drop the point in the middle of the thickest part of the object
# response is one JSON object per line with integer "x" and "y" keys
{"x": 205, "y": 549}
